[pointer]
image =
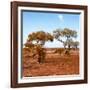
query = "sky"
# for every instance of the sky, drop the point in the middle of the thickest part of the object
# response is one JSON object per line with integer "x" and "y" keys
{"x": 48, "y": 22}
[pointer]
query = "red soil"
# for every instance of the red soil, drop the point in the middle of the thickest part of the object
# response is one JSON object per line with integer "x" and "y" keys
{"x": 55, "y": 64}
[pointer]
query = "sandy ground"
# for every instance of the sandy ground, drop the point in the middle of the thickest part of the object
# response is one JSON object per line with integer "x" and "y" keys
{"x": 54, "y": 64}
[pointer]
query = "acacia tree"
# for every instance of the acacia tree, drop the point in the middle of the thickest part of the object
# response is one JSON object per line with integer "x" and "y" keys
{"x": 65, "y": 36}
{"x": 40, "y": 37}
{"x": 36, "y": 40}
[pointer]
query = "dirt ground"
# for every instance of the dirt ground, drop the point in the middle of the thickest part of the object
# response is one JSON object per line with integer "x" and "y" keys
{"x": 55, "y": 64}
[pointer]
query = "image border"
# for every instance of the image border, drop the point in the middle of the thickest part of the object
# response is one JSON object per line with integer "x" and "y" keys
{"x": 14, "y": 43}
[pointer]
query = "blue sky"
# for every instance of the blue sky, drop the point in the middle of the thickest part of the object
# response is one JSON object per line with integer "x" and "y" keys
{"x": 37, "y": 21}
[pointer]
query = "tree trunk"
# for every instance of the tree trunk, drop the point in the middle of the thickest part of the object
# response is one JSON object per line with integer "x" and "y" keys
{"x": 69, "y": 47}
{"x": 41, "y": 56}
{"x": 64, "y": 46}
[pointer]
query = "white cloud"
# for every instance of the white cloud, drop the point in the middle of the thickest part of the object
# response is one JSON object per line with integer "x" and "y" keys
{"x": 61, "y": 18}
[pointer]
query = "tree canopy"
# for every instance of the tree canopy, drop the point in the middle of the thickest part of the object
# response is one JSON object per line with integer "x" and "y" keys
{"x": 40, "y": 37}
{"x": 66, "y": 33}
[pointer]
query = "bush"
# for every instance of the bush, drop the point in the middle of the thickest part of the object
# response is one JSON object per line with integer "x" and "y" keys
{"x": 59, "y": 50}
{"x": 67, "y": 52}
{"x": 41, "y": 54}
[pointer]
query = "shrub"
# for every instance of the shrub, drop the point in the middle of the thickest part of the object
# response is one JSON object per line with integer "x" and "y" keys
{"x": 59, "y": 50}
{"x": 41, "y": 54}
{"x": 67, "y": 52}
